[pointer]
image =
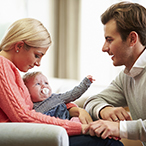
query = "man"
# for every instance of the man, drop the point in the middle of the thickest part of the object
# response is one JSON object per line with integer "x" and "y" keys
{"x": 125, "y": 41}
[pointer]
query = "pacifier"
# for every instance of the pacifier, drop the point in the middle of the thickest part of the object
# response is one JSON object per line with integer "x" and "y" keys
{"x": 45, "y": 90}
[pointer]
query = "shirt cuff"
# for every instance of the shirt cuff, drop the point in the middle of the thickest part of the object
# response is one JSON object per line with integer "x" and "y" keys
{"x": 70, "y": 105}
{"x": 123, "y": 129}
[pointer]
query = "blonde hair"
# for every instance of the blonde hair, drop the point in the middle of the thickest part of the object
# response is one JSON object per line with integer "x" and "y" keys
{"x": 30, "y": 75}
{"x": 29, "y": 30}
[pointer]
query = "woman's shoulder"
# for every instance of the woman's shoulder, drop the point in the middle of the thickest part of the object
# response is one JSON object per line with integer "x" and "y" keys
{"x": 6, "y": 66}
{"x": 4, "y": 60}
{"x": 2, "y": 57}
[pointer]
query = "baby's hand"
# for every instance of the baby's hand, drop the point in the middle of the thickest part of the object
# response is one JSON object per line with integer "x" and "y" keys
{"x": 90, "y": 78}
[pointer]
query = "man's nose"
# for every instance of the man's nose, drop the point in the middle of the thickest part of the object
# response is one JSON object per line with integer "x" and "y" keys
{"x": 105, "y": 48}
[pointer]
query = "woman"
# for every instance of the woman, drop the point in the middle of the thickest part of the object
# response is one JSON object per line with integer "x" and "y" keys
{"x": 22, "y": 48}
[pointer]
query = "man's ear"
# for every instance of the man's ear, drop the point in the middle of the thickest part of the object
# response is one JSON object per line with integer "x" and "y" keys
{"x": 133, "y": 37}
{"x": 18, "y": 46}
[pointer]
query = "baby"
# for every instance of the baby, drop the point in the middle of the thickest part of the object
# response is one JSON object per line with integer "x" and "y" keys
{"x": 50, "y": 103}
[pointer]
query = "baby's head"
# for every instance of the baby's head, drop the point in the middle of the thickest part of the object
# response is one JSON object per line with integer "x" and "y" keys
{"x": 37, "y": 85}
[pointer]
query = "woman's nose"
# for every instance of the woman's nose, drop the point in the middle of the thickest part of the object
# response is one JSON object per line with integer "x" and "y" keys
{"x": 37, "y": 63}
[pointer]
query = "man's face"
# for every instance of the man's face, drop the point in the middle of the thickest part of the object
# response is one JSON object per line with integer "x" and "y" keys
{"x": 119, "y": 50}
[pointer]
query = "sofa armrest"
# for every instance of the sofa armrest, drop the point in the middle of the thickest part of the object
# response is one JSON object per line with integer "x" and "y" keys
{"x": 32, "y": 134}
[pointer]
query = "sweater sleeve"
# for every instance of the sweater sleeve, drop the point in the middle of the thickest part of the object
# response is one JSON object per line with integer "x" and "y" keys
{"x": 16, "y": 105}
{"x": 76, "y": 92}
{"x": 113, "y": 95}
{"x": 70, "y": 105}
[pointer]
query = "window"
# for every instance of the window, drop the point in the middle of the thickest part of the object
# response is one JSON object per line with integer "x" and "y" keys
{"x": 12, "y": 10}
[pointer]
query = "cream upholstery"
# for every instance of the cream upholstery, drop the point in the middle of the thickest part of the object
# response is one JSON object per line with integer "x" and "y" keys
{"x": 31, "y": 134}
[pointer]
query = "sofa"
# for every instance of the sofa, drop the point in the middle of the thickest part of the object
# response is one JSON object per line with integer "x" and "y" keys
{"x": 33, "y": 134}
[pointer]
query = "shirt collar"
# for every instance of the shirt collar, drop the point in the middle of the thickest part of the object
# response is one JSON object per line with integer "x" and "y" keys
{"x": 138, "y": 66}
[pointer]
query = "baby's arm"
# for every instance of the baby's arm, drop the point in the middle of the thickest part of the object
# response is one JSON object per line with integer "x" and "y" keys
{"x": 77, "y": 91}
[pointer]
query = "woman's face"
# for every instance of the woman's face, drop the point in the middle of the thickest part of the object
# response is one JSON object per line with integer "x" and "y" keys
{"x": 27, "y": 59}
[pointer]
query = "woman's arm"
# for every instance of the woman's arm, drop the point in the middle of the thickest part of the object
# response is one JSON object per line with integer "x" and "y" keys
{"x": 16, "y": 105}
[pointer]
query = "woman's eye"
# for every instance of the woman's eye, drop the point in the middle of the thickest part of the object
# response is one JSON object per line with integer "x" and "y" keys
{"x": 37, "y": 56}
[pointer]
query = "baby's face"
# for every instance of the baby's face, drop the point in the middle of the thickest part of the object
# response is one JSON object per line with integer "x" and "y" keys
{"x": 39, "y": 87}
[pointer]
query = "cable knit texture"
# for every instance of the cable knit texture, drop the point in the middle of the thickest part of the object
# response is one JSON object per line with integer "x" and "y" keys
{"x": 16, "y": 104}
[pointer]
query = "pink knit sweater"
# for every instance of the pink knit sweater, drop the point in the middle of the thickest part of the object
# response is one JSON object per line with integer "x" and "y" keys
{"x": 16, "y": 105}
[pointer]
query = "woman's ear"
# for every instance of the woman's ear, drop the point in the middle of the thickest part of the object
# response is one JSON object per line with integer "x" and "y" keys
{"x": 133, "y": 37}
{"x": 18, "y": 46}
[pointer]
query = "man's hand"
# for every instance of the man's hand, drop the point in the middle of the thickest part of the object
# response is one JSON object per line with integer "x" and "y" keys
{"x": 85, "y": 129}
{"x": 104, "y": 129}
{"x": 114, "y": 114}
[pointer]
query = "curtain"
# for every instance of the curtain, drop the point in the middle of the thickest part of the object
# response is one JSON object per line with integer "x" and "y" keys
{"x": 64, "y": 21}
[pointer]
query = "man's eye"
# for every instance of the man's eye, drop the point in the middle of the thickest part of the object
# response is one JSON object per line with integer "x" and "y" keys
{"x": 109, "y": 40}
